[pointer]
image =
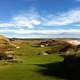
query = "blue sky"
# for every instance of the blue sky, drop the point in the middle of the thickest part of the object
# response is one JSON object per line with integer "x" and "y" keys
{"x": 40, "y": 18}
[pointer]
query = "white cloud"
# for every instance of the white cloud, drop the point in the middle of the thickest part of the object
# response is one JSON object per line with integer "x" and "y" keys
{"x": 66, "y": 18}
{"x": 28, "y": 19}
{"x": 6, "y": 24}
{"x": 22, "y": 21}
{"x": 32, "y": 18}
{"x": 22, "y": 33}
{"x": 46, "y": 32}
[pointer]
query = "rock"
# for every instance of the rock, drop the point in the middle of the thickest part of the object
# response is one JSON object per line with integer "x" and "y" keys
{"x": 8, "y": 52}
{"x": 44, "y": 53}
{"x": 17, "y": 47}
{"x": 42, "y": 45}
{"x": 10, "y": 56}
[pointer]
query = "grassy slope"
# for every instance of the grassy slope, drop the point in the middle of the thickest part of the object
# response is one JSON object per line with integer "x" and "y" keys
{"x": 28, "y": 69}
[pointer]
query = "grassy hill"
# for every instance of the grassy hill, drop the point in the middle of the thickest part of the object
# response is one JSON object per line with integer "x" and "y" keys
{"x": 30, "y": 68}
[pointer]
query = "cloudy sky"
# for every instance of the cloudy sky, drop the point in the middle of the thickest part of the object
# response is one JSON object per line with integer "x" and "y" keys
{"x": 40, "y": 18}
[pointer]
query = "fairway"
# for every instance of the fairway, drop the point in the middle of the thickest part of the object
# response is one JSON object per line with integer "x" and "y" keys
{"x": 32, "y": 67}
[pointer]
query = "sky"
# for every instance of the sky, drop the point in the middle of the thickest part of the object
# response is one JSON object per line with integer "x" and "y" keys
{"x": 40, "y": 18}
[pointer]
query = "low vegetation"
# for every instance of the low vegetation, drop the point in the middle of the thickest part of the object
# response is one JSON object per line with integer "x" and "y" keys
{"x": 28, "y": 68}
{"x": 32, "y": 66}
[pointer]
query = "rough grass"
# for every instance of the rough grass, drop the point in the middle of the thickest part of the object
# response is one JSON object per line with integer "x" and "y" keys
{"x": 28, "y": 70}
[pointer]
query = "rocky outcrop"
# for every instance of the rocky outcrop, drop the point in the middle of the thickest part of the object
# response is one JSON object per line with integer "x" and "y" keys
{"x": 6, "y": 48}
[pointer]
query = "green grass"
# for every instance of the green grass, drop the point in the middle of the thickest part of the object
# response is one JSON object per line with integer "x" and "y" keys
{"x": 28, "y": 70}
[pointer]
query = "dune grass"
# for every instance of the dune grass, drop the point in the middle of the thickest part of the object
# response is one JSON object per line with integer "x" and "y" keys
{"x": 28, "y": 70}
